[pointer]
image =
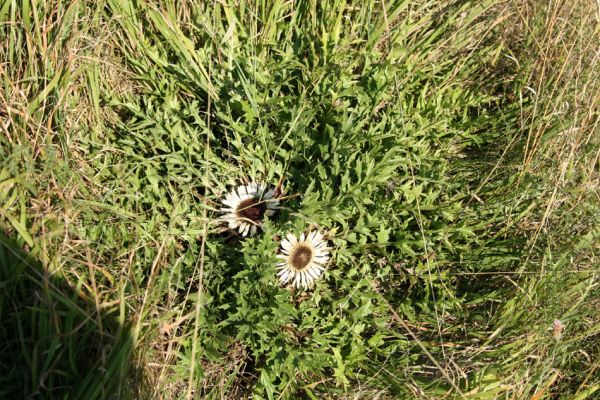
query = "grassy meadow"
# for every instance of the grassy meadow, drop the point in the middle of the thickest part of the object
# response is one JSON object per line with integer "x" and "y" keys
{"x": 449, "y": 152}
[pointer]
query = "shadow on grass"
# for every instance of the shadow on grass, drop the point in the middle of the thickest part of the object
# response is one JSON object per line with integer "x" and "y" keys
{"x": 53, "y": 344}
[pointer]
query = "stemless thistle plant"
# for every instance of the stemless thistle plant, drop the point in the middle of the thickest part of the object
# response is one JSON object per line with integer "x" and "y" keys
{"x": 246, "y": 206}
{"x": 303, "y": 259}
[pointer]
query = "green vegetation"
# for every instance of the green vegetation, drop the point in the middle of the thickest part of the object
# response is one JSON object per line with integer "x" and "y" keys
{"x": 449, "y": 150}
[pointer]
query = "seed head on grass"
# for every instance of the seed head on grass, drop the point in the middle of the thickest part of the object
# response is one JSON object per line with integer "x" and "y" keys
{"x": 303, "y": 259}
{"x": 246, "y": 206}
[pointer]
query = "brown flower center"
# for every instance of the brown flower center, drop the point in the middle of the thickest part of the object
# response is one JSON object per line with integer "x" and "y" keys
{"x": 300, "y": 257}
{"x": 251, "y": 209}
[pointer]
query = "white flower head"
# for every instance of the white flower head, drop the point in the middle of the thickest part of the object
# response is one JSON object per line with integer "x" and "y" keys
{"x": 245, "y": 207}
{"x": 557, "y": 329}
{"x": 303, "y": 259}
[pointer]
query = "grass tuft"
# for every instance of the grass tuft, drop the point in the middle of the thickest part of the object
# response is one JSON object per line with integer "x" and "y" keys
{"x": 448, "y": 150}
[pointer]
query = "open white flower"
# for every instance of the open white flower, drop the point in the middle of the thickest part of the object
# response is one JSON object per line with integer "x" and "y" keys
{"x": 303, "y": 259}
{"x": 247, "y": 205}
